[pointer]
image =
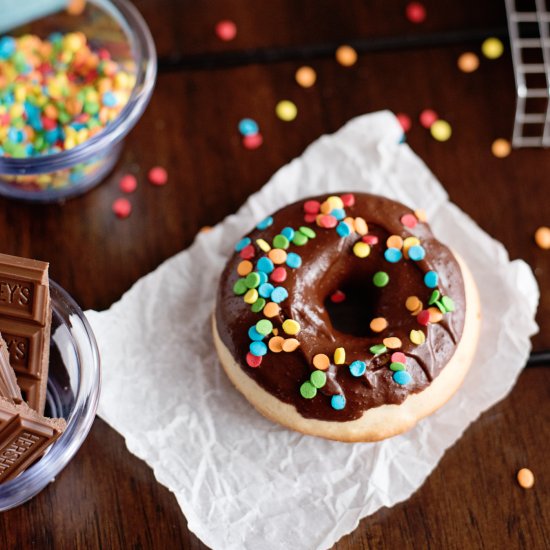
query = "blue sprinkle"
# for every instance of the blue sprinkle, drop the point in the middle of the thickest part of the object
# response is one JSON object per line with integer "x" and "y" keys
{"x": 343, "y": 229}
{"x": 293, "y": 260}
{"x": 430, "y": 279}
{"x": 288, "y": 232}
{"x": 417, "y": 253}
{"x": 254, "y": 335}
{"x": 257, "y": 348}
{"x": 109, "y": 99}
{"x": 266, "y": 290}
{"x": 279, "y": 294}
{"x": 393, "y": 255}
{"x": 338, "y": 402}
{"x": 265, "y": 264}
{"x": 51, "y": 136}
{"x": 264, "y": 224}
{"x": 263, "y": 277}
{"x": 7, "y": 47}
{"x": 358, "y": 368}
{"x": 402, "y": 377}
{"x": 15, "y": 135}
{"x": 248, "y": 127}
{"x": 338, "y": 213}
{"x": 241, "y": 244}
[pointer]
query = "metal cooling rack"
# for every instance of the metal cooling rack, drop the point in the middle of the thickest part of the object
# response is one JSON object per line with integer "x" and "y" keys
{"x": 528, "y": 24}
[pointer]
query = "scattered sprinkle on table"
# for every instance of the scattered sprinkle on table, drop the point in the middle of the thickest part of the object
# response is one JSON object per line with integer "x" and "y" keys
{"x": 122, "y": 208}
{"x": 128, "y": 183}
{"x": 415, "y": 12}
{"x": 468, "y": 62}
{"x": 428, "y": 117}
{"x": 305, "y": 76}
{"x": 492, "y": 48}
{"x": 542, "y": 237}
{"x": 441, "y": 130}
{"x": 226, "y": 30}
{"x": 526, "y": 478}
{"x": 248, "y": 127}
{"x": 501, "y": 148}
{"x": 346, "y": 56}
{"x": 286, "y": 110}
{"x": 253, "y": 141}
{"x": 158, "y": 175}
{"x": 405, "y": 121}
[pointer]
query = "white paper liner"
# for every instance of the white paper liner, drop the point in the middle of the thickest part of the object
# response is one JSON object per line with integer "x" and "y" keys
{"x": 242, "y": 481}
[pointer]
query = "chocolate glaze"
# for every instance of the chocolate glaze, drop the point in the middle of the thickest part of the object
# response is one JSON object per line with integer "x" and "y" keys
{"x": 328, "y": 264}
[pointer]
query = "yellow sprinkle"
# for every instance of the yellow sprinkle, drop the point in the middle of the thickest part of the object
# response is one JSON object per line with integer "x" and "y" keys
{"x": 335, "y": 202}
{"x": 378, "y": 324}
{"x": 417, "y": 337}
{"x": 392, "y": 342}
{"x": 244, "y": 268}
{"x": 263, "y": 245}
{"x": 251, "y": 296}
{"x": 271, "y": 309}
{"x": 339, "y": 356}
{"x": 407, "y": 243}
{"x": 286, "y": 110}
{"x": 290, "y": 344}
{"x": 441, "y": 130}
{"x": 361, "y": 249}
{"x": 360, "y": 226}
{"x": 291, "y": 327}
{"x": 492, "y": 48}
{"x": 321, "y": 361}
{"x": 420, "y": 213}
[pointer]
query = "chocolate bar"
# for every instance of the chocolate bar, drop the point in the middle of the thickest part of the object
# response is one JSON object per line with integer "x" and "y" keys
{"x": 25, "y": 318}
{"x": 24, "y": 436}
{"x": 8, "y": 383}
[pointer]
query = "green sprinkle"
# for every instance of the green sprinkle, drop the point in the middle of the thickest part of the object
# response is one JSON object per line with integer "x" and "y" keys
{"x": 448, "y": 304}
{"x": 381, "y": 279}
{"x": 280, "y": 241}
{"x": 265, "y": 326}
{"x": 299, "y": 239}
{"x": 396, "y": 366}
{"x": 252, "y": 280}
{"x": 258, "y": 305}
{"x": 378, "y": 349}
{"x": 434, "y": 297}
{"x": 440, "y": 306}
{"x": 308, "y": 232}
{"x": 308, "y": 390}
{"x": 240, "y": 287}
{"x": 318, "y": 378}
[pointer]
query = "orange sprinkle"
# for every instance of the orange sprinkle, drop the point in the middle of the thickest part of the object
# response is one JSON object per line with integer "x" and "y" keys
{"x": 412, "y": 303}
{"x": 421, "y": 215}
{"x": 271, "y": 309}
{"x": 244, "y": 268}
{"x": 290, "y": 344}
{"x": 395, "y": 241}
{"x": 321, "y": 361}
{"x": 435, "y": 315}
{"x": 276, "y": 344}
{"x": 346, "y": 56}
{"x": 542, "y": 237}
{"x": 277, "y": 256}
{"x": 205, "y": 229}
{"x": 325, "y": 207}
{"x": 378, "y": 324}
{"x": 392, "y": 342}
{"x": 526, "y": 478}
{"x": 361, "y": 226}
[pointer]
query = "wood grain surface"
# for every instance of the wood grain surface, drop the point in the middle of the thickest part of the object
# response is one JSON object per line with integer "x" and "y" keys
{"x": 107, "y": 498}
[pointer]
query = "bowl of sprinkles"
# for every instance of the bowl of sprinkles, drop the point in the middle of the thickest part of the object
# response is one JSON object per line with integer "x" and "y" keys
{"x": 72, "y": 85}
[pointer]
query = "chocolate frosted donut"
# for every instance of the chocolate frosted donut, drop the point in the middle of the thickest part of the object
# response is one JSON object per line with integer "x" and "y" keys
{"x": 344, "y": 317}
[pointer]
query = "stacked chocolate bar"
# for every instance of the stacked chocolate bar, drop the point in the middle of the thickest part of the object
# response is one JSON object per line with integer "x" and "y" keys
{"x": 25, "y": 320}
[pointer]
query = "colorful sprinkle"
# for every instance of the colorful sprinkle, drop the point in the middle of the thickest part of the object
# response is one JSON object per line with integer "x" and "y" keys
{"x": 393, "y": 255}
{"x": 253, "y": 361}
{"x": 417, "y": 337}
{"x": 128, "y": 183}
{"x": 358, "y": 368}
{"x": 318, "y": 378}
{"x": 343, "y": 229}
{"x": 305, "y": 77}
{"x": 293, "y": 260}
{"x": 252, "y": 280}
{"x": 251, "y": 296}
{"x": 258, "y": 305}
{"x": 492, "y": 48}
{"x": 312, "y": 207}
{"x": 308, "y": 232}
{"x": 290, "y": 345}
{"x": 434, "y": 297}
{"x": 265, "y": 223}
{"x": 431, "y": 279}
{"x": 361, "y": 227}
{"x": 226, "y": 30}
{"x": 501, "y": 148}
{"x": 253, "y": 141}
{"x": 266, "y": 290}
{"x": 263, "y": 245}
{"x": 542, "y": 238}
{"x": 398, "y": 357}
{"x": 271, "y": 310}
{"x": 413, "y": 304}
{"x": 394, "y": 241}
{"x": 427, "y": 118}
{"x": 377, "y": 349}
{"x": 239, "y": 288}
{"x": 448, "y": 303}
{"x": 280, "y": 241}
{"x": 409, "y": 220}
{"x": 275, "y": 344}
{"x": 122, "y": 208}
{"x": 423, "y": 317}
{"x": 288, "y": 232}
{"x": 441, "y": 130}
{"x": 402, "y": 377}
{"x": 286, "y": 110}
{"x": 338, "y": 402}
{"x": 346, "y": 56}
{"x": 265, "y": 265}
{"x": 339, "y": 356}
{"x": 404, "y": 120}
{"x": 243, "y": 243}
{"x": 415, "y": 12}
{"x": 248, "y": 127}
{"x": 263, "y": 277}
{"x": 308, "y": 390}
{"x": 348, "y": 199}
{"x": 299, "y": 239}
{"x": 337, "y": 297}
{"x": 392, "y": 342}
{"x": 361, "y": 249}
{"x": 264, "y": 326}
{"x": 381, "y": 279}
{"x": 258, "y": 348}
{"x": 416, "y": 252}
{"x": 370, "y": 239}
{"x": 435, "y": 315}
{"x": 254, "y": 335}
{"x": 291, "y": 327}
{"x": 526, "y": 478}
{"x": 468, "y": 62}
{"x": 244, "y": 268}
{"x": 327, "y": 221}
{"x": 277, "y": 256}
{"x": 378, "y": 324}
{"x": 158, "y": 175}
{"x": 279, "y": 294}
{"x": 278, "y": 275}
{"x": 321, "y": 361}
{"x": 397, "y": 366}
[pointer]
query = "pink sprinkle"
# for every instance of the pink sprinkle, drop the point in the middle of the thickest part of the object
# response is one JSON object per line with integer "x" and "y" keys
{"x": 226, "y": 30}
{"x": 252, "y": 141}
{"x": 247, "y": 253}
{"x": 405, "y": 121}
{"x": 122, "y": 208}
{"x": 348, "y": 199}
{"x": 423, "y": 317}
{"x": 427, "y": 118}
{"x": 253, "y": 360}
{"x": 128, "y": 183}
{"x": 158, "y": 175}
{"x": 398, "y": 357}
{"x": 310, "y": 218}
{"x": 370, "y": 239}
{"x": 312, "y": 207}
{"x": 415, "y": 12}
{"x": 328, "y": 221}
{"x": 278, "y": 275}
{"x": 409, "y": 220}
{"x": 337, "y": 297}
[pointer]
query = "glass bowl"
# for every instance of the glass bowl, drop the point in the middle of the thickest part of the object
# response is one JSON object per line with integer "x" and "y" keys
{"x": 73, "y": 393}
{"x": 117, "y": 26}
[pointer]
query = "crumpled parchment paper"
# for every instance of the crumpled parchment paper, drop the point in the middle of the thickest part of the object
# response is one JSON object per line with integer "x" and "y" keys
{"x": 242, "y": 481}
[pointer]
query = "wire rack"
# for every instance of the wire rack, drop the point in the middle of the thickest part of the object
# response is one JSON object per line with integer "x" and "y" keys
{"x": 528, "y": 24}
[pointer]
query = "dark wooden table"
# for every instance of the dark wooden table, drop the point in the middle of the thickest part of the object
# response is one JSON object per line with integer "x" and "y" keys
{"x": 107, "y": 498}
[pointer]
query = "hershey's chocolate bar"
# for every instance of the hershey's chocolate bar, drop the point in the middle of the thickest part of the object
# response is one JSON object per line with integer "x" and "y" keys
{"x": 25, "y": 317}
{"x": 8, "y": 382}
{"x": 24, "y": 436}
